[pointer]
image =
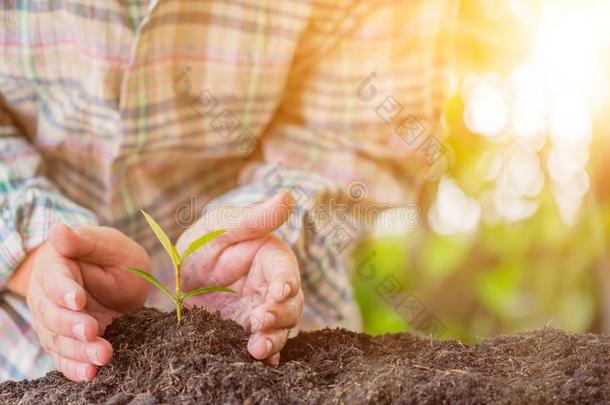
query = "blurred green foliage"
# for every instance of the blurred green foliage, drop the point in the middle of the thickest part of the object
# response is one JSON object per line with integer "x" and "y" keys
{"x": 502, "y": 278}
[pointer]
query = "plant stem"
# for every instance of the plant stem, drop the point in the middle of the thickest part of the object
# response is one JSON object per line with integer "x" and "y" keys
{"x": 178, "y": 294}
{"x": 179, "y": 310}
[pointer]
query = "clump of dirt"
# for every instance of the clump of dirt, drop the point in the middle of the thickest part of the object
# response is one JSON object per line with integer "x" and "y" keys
{"x": 204, "y": 359}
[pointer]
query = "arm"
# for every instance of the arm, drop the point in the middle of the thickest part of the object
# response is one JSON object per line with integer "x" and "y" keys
{"x": 29, "y": 204}
{"x": 20, "y": 279}
{"x": 358, "y": 132}
{"x": 338, "y": 144}
{"x": 73, "y": 280}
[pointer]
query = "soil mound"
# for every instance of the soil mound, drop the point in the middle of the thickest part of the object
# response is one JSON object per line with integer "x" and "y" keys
{"x": 204, "y": 359}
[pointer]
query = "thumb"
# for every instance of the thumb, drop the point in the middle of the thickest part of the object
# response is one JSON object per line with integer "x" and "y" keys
{"x": 262, "y": 219}
{"x": 99, "y": 245}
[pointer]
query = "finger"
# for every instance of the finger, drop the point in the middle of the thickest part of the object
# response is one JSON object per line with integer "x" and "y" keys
{"x": 233, "y": 263}
{"x": 258, "y": 220}
{"x": 273, "y": 315}
{"x": 74, "y": 370}
{"x": 274, "y": 360}
{"x": 280, "y": 269}
{"x": 263, "y": 345}
{"x": 65, "y": 322}
{"x": 60, "y": 286}
{"x": 97, "y": 352}
{"x": 101, "y": 313}
{"x": 251, "y": 222}
{"x": 99, "y": 245}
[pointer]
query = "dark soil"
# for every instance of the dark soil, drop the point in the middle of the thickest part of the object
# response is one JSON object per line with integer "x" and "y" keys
{"x": 204, "y": 359}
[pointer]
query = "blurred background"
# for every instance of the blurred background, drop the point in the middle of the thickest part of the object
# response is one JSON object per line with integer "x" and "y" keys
{"x": 516, "y": 235}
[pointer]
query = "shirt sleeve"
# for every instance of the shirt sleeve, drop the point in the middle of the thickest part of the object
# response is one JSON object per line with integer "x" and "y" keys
{"x": 29, "y": 202}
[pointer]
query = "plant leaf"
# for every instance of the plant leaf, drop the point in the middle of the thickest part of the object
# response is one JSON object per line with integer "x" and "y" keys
{"x": 153, "y": 281}
{"x": 205, "y": 290}
{"x": 200, "y": 241}
{"x": 163, "y": 238}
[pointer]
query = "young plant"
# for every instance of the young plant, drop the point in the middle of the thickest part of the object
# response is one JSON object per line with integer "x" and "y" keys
{"x": 177, "y": 260}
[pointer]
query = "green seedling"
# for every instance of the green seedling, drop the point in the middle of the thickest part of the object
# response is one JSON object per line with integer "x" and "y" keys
{"x": 177, "y": 260}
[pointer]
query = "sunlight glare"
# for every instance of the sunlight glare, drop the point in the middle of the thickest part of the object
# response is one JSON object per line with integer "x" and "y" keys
{"x": 487, "y": 106}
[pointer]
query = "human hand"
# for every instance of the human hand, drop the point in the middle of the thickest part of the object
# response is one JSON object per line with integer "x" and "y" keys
{"x": 78, "y": 284}
{"x": 252, "y": 260}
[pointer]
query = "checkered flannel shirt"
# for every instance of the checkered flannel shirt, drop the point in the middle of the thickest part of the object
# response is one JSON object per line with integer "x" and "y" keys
{"x": 110, "y": 106}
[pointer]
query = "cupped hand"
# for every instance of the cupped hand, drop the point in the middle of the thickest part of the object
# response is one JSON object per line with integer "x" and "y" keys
{"x": 255, "y": 262}
{"x": 78, "y": 285}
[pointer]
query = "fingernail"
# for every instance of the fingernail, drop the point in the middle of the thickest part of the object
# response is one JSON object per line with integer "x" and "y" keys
{"x": 82, "y": 372}
{"x": 93, "y": 356}
{"x": 285, "y": 290}
{"x": 79, "y": 331}
{"x": 70, "y": 300}
{"x": 269, "y": 347}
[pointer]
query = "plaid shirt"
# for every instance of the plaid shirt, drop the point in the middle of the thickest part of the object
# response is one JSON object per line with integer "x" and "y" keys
{"x": 110, "y": 106}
